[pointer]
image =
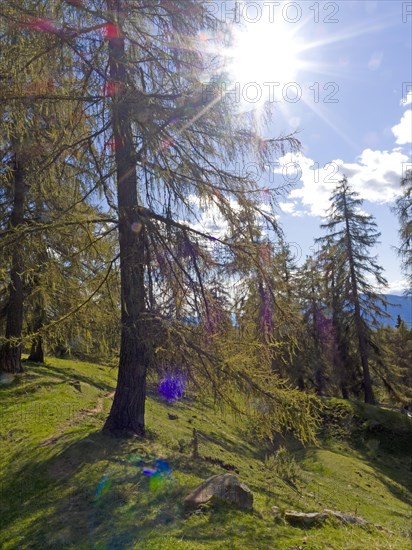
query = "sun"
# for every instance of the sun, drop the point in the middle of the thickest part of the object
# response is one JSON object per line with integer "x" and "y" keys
{"x": 266, "y": 55}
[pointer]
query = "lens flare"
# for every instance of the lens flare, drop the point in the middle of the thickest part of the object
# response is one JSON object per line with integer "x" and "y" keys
{"x": 172, "y": 387}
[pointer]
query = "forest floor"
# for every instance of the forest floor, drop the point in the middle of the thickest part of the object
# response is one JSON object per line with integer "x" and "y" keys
{"x": 64, "y": 484}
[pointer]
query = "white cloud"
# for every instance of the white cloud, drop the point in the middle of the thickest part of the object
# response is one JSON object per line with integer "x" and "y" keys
{"x": 210, "y": 220}
{"x": 288, "y": 207}
{"x": 396, "y": 287}
{"x": 292, "y": 208}
{"x": 403, "y": 130}
{"x": 375, "y": 61}
{"x": 407, "y": 100}
{"x": 375, "y": 175}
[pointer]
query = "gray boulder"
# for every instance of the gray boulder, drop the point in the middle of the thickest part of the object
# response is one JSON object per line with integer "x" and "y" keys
{"x": 6, "y": 378}
{"x": 301, "y": 519}
{"x": 221, "y": 488}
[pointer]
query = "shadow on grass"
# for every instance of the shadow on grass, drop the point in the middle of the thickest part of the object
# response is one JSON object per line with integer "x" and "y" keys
{"x": 67, "y": 375}
{"x": 385, "y": 462}
{"x": 227, "y": 527}
{"x": 91, "y": 493}
{"x": 384, "y": 449}
{"x": 38, "y": 377}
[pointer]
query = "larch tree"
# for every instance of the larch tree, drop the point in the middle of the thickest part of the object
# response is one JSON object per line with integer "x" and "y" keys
{"x": 174, "y": 139}
{"x": 46, "y": 180}
{"x": 10, "y": 351}
{"x": 353, "y": 234}
{"x": 332, "y": 268}
{"x": 393, "y": 359}
{"x": 312, "y": 299}
{"x": 20, "y": 124}
{"x": 165, "y": 140}
{"x": 404, "y": 210}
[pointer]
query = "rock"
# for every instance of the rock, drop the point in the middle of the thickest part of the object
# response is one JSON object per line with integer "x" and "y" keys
{"x": 6, "y": 378}
{"x": 347, "y": 518}
{"x": 302, "y": 519}
{"x": 221, "y": 488}
{"x": 172, "y": 416}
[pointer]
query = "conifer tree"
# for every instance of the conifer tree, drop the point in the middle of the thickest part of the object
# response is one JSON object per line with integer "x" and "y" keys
{"x": 353, "y": 234}
{"x": 392, "y": 359}
{"x": 45, "y": 181}
{"x": 404, "y": 211}
{"x": 173, "y": 143}
{"x": 316, "y": 324}
{"x": 164, "y": 138}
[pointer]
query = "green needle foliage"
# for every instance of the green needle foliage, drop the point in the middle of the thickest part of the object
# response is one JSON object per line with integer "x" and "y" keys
{"x": 141, "y": 117}
{"x": 350, "y": 236}
{"x": 404, "y": 211}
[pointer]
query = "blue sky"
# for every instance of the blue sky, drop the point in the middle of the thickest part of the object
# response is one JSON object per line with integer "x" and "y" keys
{"x": 357, "y": 119}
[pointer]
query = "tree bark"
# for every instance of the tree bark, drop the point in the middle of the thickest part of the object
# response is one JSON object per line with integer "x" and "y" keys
{"x": 319, "y": 374}
{"x": 360, "y": 328}
{"x": 10, "y": 352}
{"x": 127, "y": 415}
{"x": 340, "y": 359}
{"x": 36, "y": 352}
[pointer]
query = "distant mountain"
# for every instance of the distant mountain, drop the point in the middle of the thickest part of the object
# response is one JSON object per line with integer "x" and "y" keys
{"x": 400, "y": 305}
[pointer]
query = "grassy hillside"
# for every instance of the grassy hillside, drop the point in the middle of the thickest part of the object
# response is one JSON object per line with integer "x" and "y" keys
{"x": 65, "y": 485}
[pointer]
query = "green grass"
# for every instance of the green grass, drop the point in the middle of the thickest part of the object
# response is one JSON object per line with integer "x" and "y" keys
{"x": 54, "y": 458}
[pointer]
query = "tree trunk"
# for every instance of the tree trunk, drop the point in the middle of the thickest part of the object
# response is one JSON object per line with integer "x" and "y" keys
{"x": 340, "y": 362}
{"x": 128, "y": 409}
{"x": 36, "y": 352}
{"x": 344, "y": 391}
{"x": 363, "y": 351}
{"x": 360, "y": 329}
{"x": 10, "y": 352}
{"x": 319, "y": 374}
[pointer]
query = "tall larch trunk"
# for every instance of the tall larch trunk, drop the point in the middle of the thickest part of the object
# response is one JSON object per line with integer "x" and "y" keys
{"x": 360, "y": 328}
{"x": 319, "y": 374}
{"x": 339, "y": 356}
{"x": 127, "y": 415}
{"x": 10, "y": 352}
{"x": 36, "y": 351}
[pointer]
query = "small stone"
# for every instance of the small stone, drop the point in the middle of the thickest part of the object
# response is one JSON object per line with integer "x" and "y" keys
{"x": 224, "y": 488}
{"x": 305, "y": 519}
{"x": 172, "y": 416}
{"x": 6, "y": 378}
